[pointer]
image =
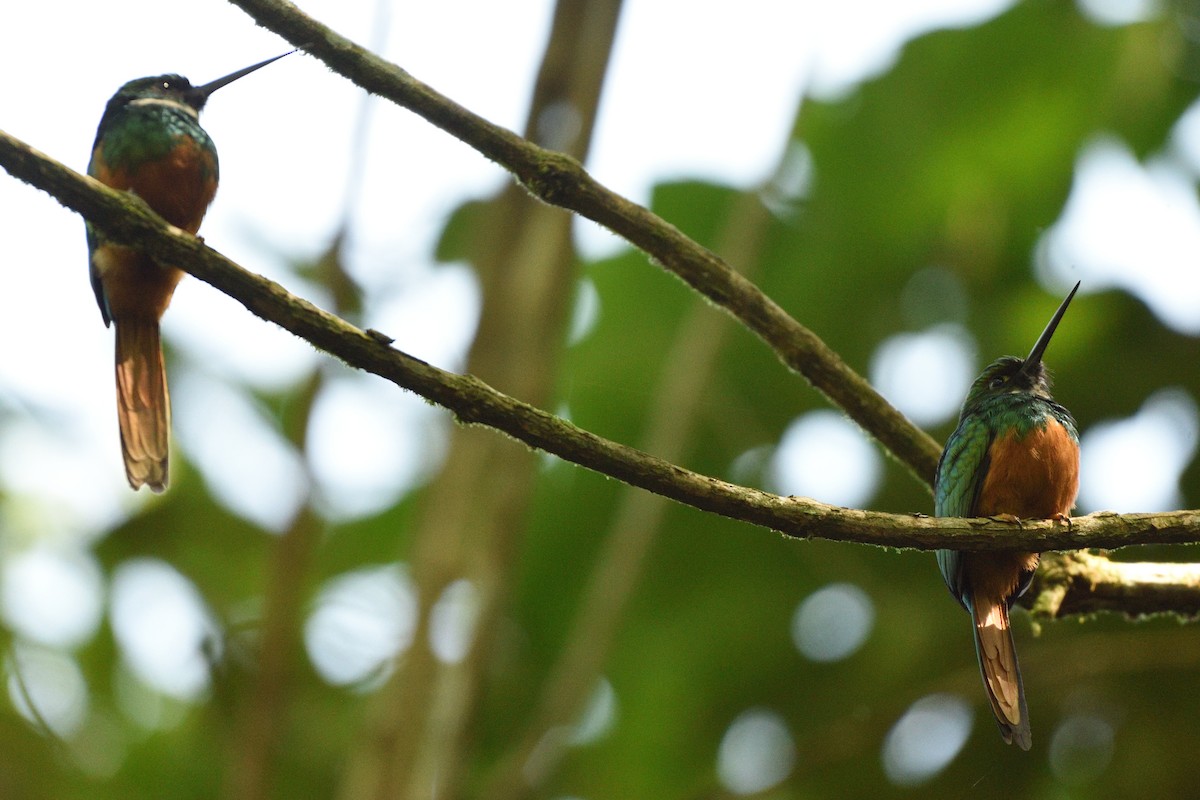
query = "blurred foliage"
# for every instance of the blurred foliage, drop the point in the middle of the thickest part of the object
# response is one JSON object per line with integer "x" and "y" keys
{"x": 958, "y": 157}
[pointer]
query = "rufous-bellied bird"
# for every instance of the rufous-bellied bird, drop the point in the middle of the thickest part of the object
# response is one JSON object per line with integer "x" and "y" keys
{"x": 1015, "y": 455}
{"x": 149, "y": 143}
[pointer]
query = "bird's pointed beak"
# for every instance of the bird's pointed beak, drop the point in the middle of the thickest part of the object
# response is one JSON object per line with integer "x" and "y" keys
{"x": 201, "y": 93}
{"x": 1035, "y": 355}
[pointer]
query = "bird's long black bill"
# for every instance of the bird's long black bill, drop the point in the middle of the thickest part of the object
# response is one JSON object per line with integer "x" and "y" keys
{"x": 202, "y": 92}
{"x": 1035, "y": 355}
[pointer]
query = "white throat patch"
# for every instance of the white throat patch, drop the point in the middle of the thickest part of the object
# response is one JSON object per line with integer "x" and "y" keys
{"x": 166, "y": 101}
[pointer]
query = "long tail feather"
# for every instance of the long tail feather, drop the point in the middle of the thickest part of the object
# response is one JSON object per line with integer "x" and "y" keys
{"x": 143, "y": 405}
{"x": 1001, "y": 672}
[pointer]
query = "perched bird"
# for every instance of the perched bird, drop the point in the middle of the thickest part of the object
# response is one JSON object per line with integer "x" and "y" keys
{"x": 1014, "y": 454}
{"x": 149, "y": 143}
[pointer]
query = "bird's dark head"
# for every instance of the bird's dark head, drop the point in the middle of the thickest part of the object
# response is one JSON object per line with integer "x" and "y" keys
{"x": 1009, "y": 375}
{"x": 1012, "y": 375}
{"x": 174, "y": 90}
{"x": 159, "y": 88}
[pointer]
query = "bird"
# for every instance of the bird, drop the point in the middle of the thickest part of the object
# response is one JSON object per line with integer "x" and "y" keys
{"x": 1014, "y": 455}
{"x": 149, "y": 143}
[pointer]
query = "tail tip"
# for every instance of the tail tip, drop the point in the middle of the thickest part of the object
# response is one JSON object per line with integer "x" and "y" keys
{"x": 151, "y": 474}
{"x": 1018, "y": 735}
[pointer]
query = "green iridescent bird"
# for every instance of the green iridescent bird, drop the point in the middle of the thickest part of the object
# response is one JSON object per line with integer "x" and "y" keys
{"x": 149, "y": 143}
{"x": 1014, "y": 454}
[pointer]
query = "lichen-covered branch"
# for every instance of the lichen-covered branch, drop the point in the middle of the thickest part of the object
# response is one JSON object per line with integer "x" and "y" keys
{"x": 561, "y": 180}
{"x": 1084, "y": 583}
{"x": 126, "y": 219}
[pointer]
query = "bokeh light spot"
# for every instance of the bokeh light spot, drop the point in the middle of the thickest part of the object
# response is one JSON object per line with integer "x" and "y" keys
{"x": 1081, "y": 748}
{"x": 756, "y": 752}
{"x": 926, "y": 739}
{"x": 47, "y": 686}
{"x": 362, "y": 620}
{"x": 833, "y": 622}
{"x": 163, "y": 627}
{"x": 367, "y": 446}
{"x": 51, "y": 596}
{"x": 1135, "y": 464}
{"x": 1117, "y": 13}
{"x": 585, "y": 313}
{"x": 250, "y": 468}
{"x": 452, "y": 621}
{"x": 1133, "y": 226}
{"x": 824, "y": 456}
{"x": 925, "y": 375}
{"x": 598, "y": 717}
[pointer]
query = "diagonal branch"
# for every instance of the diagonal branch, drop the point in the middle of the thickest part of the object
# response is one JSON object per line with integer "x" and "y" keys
{"x": 128, "y": 220}
{"x": 561, "y": 180}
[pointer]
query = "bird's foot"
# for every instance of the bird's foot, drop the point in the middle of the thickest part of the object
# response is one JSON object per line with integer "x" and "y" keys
{"x": 1011, "y": 519}
{"x": 1062, "y": 518}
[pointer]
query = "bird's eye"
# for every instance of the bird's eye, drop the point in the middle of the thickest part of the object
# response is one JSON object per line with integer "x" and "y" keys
{"x": 166, "y": 84}
{"x": 997, "y": 382}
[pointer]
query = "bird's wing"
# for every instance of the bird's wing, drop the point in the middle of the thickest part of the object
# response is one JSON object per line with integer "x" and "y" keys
{"x": 960, "y": 474}
{"x": 93, "y": 241}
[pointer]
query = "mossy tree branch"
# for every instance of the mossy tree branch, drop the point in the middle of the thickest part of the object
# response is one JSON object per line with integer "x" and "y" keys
{"x": 1086, "y": 583}
{"x": 128, "y": 220}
